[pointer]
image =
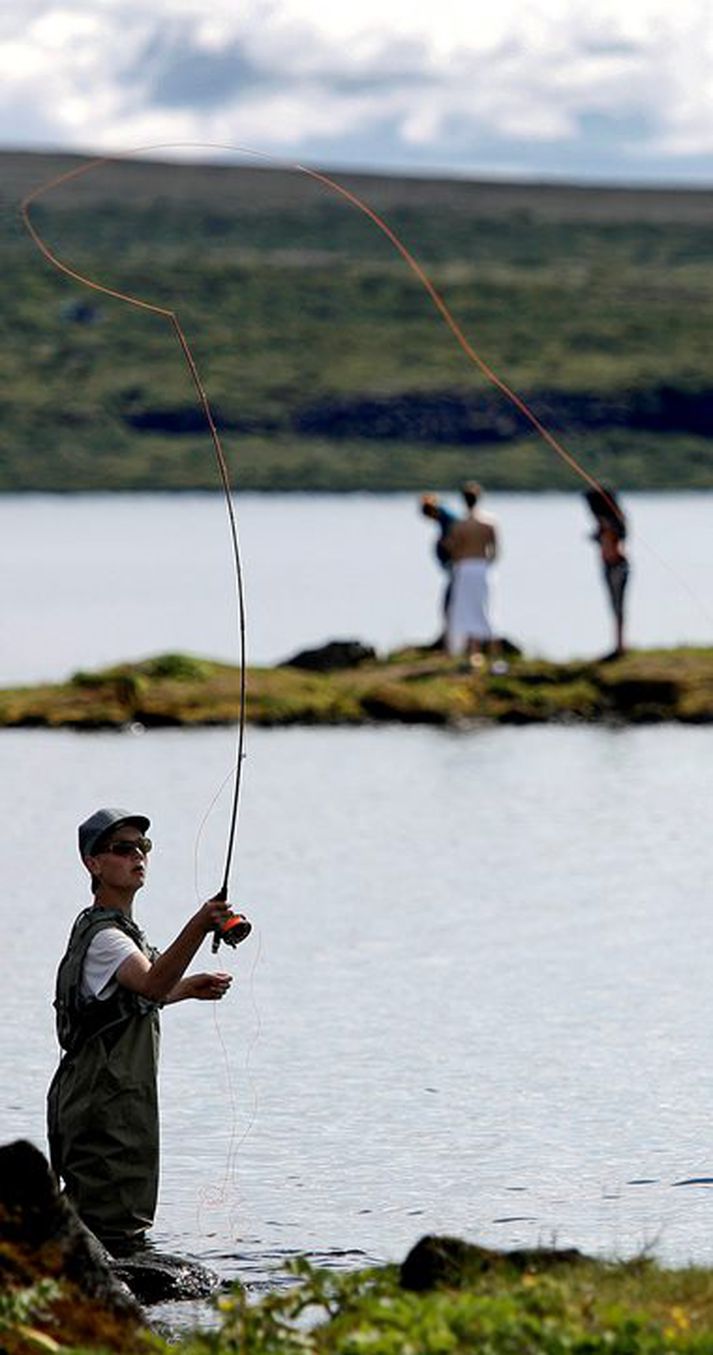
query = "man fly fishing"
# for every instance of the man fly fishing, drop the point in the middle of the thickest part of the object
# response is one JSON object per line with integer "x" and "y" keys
{"x": 103, "y": 1121}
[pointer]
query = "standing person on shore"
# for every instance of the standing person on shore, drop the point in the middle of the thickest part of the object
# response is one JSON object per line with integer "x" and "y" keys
{"x": 431, "y": 507}
{"x": 610, "y": 535}
{"x": 472, "y": 544}
{"x": 103, "y": 1121}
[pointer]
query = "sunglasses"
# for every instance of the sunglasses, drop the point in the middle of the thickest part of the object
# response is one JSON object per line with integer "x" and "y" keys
{"x": 127, "y": 846}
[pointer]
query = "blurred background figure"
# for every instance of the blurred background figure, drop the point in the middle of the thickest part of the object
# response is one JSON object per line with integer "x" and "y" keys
{"x": 610, "y": 534}
{"x": 431, "y": 507}
{"x": 472, "y": 546}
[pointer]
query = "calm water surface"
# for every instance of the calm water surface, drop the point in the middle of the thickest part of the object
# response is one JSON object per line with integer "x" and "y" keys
{"x": 478, "y": 997}
{"x": 96, "y": 579}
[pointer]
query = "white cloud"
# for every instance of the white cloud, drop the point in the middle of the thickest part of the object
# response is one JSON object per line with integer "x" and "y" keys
{"x": 55, "y": 29}
{"x": 442, "y": 85}
{"x": 20, "y": 62}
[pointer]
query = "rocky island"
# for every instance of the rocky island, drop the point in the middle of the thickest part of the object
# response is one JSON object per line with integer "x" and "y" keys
{"x": 346, "y": 683}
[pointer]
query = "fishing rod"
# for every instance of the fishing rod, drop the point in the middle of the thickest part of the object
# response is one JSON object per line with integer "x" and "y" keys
{"x": 236, "y": 926}
{"x": 359, "y": 204}
{"x": 438, "y": 301}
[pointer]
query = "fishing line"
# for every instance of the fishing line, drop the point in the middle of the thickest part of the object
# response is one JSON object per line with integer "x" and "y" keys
{"x": 438, "y": 301}
{"x": 217, "y": 1194}
{"x": 172, "y": 317}
{"x": 225, "y": 1192}
{"x": 358, "y": 203}
{"x": 236, "y": 771}
{"x": 169, "y": 314}
{"x": 488, "y": 372}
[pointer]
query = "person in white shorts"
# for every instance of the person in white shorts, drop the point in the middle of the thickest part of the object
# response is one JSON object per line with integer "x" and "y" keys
{"x": 472, "y": 545}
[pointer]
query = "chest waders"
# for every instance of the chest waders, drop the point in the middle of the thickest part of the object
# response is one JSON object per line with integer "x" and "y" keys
{"x": 102, "y": 1105}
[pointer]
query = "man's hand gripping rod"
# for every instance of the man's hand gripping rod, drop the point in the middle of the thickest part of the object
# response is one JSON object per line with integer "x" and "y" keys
{"x": 233, "y": 930}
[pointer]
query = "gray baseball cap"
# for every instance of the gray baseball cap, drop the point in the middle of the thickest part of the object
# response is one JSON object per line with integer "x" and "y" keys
{"x": 101, "y": 821}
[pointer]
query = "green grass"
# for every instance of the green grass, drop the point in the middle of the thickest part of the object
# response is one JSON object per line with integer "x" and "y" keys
{"x": 407, "y": 687}
{"x": 541, "y": 1307}
{"x": 585, "y": 1309}
{"x": 296, "y": 307}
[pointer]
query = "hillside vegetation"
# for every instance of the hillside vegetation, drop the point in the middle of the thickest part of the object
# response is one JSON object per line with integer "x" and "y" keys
{"x": 327, "y": 365}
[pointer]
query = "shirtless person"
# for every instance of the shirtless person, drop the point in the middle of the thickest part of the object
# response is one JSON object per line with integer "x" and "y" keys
{"x": 472, "y": 545}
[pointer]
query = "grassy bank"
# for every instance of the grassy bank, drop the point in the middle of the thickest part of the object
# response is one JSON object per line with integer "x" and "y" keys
{"x": 508, "y": 1304}
{"x": 325, "y": 361}
{"x": 497, "y": 1306}
{"x": 409, "y": 687}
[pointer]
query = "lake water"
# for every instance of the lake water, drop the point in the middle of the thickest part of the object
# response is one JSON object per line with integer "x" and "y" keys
{"x": 477, "y": 998}
{"x": 96, "y": 579}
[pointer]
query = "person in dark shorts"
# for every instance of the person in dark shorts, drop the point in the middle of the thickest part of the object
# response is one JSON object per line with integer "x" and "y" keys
{"x": 610, "y": 535}
{"x": 431, "y": 507}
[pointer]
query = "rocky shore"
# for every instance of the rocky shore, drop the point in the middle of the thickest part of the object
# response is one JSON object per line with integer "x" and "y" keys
{"x": 346, "y": 683}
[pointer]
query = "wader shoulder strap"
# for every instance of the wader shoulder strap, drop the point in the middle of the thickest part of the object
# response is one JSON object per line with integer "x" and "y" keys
{"x": 76, "y": 1017}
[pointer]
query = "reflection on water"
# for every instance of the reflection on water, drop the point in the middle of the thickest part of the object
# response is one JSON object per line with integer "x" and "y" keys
{"x": 477, "y": 998}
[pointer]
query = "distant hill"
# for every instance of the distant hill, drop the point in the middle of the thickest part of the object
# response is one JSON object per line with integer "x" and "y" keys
{"x": 325, "y": 361}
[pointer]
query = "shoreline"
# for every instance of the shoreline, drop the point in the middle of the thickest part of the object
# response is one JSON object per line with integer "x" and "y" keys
{"x": 410, "y": 686}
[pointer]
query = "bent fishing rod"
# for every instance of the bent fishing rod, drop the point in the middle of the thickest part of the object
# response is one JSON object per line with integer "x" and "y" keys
{"x": 348, "y": 196}
{"x": 236, "y": 927}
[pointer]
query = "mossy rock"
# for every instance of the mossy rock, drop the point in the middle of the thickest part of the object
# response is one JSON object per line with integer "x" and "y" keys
{"x": 450, "y": 1261}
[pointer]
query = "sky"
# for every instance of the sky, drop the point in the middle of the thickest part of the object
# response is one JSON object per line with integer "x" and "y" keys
{"x": 609, "y": 91}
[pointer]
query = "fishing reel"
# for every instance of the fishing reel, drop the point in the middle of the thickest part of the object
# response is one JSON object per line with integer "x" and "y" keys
{"x": 232, "y": 931}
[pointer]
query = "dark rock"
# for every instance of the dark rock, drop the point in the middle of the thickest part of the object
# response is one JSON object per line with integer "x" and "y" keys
{"x": 155, "y": 1277}
{"x": 42, "y": 1237}
{"x": 437, "y": 1261}
{"x": 453, "y": 1263}
{"x": 331, "y": 657}
{"x": 641, "y": 698}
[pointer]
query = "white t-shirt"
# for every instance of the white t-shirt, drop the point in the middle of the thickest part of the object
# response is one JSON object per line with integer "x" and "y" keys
{"x": 105, "y": 953}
